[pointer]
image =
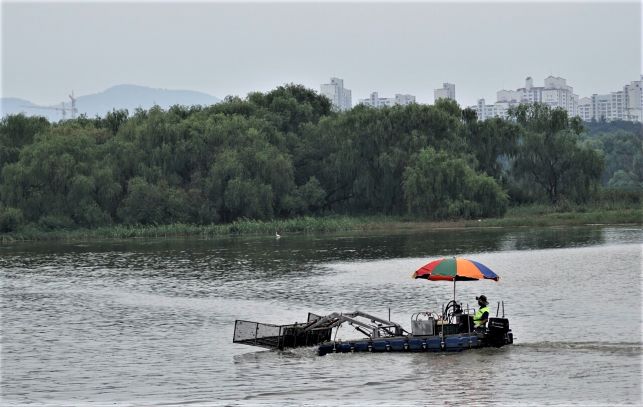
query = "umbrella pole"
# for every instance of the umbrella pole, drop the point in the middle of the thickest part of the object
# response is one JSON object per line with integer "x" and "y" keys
{"x": 453, "y": 289}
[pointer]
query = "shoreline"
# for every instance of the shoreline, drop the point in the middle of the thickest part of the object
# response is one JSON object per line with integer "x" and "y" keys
{"x": 518, "y": 217}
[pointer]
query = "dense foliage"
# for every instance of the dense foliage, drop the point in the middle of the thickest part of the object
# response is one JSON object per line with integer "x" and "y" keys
{"x": 601, "y": 126}
{"x": 285, "y": 153}
{"x": 623, "y": 158}
{"x": 551, "y": 157}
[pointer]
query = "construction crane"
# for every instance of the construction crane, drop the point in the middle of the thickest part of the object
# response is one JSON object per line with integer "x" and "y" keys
{"x": 73, "y": 105}
{"x": 63, "y": 109}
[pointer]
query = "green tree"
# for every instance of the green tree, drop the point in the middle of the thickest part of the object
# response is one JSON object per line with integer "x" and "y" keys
{"x": 623, "y": 151}
{"x": 624, "y": 180}
{"x": 10, "y": 219}
{"x": 492, "y": 142}
{"x": 17, "y": 131}
{"x": 442, "y": 186}
{"x": 144, "y": 203}
{"x": 54, "y": 177}
{"x": 550, "y": 155}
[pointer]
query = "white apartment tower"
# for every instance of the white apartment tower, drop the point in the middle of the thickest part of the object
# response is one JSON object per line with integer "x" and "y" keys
{"x": 338, "y": 95}
{"x": 584, "y": 109}
{"x": 555, "y": 93}
{"x": 404, "y": 99}
{"x": 447, "y": 91}
{"x": 633, "y": 101}
{"x": 375, "y": 101}
{"x": 626, "y": 104}
{"x": 498, "y": 109}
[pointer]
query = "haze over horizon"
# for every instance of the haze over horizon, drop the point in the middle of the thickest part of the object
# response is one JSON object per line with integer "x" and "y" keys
{"x": 232, "y": 49}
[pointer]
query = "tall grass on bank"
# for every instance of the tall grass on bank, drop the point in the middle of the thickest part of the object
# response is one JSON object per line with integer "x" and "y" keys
{"x": 532, "y": 215}
{"x": 542, "y": 215}
{"x": 239, "y": 227}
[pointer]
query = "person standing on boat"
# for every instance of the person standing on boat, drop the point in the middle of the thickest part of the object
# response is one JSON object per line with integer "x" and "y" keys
{"x": 482, "y": 315}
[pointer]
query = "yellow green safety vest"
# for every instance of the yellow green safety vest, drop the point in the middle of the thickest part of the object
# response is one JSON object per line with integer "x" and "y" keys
{"x": 477, "y": 318}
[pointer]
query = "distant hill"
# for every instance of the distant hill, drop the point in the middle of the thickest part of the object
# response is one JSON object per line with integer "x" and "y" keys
{"x": 127, "y": 97}
{"x": 16, "y": 105}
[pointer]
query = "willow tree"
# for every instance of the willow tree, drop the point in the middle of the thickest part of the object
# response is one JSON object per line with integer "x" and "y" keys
{"x": 550, "y": 154}
{"x": 439, "y": 185}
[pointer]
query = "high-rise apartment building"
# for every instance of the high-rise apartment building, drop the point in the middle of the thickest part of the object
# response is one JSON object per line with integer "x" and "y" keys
{"x": 337, "y": 93}
{"x": 447, "y": 91}
{"x": 498, "y": 109}
{"x": 555, "y": 93}
{"x": 375, "y": 101}
{"x": 633, "y": 101}
{"x": 610, "y": 106}
{"x": 601, "y": 107}
{"x": 626, "y": 104}
{"x": 584, "y": 110}
{"x": 404, "y": 99}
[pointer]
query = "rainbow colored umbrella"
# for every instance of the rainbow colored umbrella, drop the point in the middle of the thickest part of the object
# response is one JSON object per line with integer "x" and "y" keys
{"x": 455, "y": 269}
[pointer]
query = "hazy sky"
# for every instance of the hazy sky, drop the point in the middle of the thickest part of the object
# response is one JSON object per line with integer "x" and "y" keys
{"x": 48, "y": 49}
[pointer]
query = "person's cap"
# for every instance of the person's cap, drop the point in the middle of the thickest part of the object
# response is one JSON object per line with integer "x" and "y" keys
{"x": 482, "y": 298}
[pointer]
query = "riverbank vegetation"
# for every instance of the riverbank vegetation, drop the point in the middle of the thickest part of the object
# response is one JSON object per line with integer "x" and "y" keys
{"x": 530, "y": 216}
{"x": 283, "y": 160}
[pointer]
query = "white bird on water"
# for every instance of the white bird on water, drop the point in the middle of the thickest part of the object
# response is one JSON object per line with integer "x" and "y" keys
{"x": 277, "y": 235}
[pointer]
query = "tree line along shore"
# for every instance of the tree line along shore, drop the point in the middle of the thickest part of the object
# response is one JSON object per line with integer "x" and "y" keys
{"x": 284, "y": 160}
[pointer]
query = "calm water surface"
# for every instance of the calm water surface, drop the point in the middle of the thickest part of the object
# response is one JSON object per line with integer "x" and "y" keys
{"x": 151, "y": 322}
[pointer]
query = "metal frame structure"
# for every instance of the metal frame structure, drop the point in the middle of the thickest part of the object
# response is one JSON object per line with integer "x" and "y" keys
{"x": 318, "y": 329}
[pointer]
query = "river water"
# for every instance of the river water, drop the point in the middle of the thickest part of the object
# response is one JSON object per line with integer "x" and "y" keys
{"x": 150, "y": 322}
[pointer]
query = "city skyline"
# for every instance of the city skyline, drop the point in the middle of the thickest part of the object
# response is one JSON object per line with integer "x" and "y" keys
{"x": 233, "y": 49}
{"x": 623, "y": 103}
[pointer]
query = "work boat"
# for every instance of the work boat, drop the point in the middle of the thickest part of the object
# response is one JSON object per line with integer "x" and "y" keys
{"x": 451, "y": 330}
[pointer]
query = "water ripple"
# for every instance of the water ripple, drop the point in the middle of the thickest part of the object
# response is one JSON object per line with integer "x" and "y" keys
{"x": 150, "y": 322}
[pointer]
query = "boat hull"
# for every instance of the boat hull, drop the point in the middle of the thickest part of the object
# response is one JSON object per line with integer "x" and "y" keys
{"x": 447, "y": 343}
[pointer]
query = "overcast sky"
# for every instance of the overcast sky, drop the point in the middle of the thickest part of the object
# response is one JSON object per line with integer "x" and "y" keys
{"x": 48, "y": 49}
